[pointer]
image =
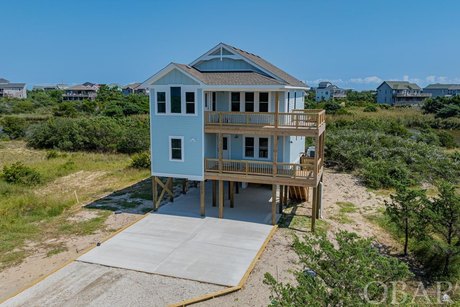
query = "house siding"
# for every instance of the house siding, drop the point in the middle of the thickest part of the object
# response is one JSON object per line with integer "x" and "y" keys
{"x": 188, "y": 127}
{"x": 175, "y": 77}
{"x": 225, "y": 64}
{"x": 385, "y": 94}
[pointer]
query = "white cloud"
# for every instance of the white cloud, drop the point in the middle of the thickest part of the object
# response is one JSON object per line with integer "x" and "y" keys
{"x": 366, "y": 80}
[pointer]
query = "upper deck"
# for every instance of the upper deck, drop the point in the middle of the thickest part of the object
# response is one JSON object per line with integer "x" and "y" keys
{"x": 298, "y": 122}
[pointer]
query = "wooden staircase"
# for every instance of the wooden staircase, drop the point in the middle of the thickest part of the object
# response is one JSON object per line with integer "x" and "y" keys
{"x": 299, "y": 194}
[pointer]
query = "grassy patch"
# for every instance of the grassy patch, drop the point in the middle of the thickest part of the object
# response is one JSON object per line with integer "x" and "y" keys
{"x": 56, "y": 250}
{"x": 85, "y": 227}
{"x": 37, "y": 213}
{"x": 345, "y": 209}
{"x": 303, "y": 222}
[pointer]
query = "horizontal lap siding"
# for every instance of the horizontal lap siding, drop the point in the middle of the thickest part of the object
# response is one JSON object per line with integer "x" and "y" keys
{"x": 189, "y": 127}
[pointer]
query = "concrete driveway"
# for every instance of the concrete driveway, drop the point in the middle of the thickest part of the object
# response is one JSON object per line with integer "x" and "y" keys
{"x": 180, "y": 251}
{"x": 177, "y": 242}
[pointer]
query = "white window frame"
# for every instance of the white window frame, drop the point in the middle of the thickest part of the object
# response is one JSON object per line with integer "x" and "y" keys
{"x": 167, "y": 90}
{"x": 257, "y": 147}
{"x": 156, "y": 102}
{"x": 173, "y": 137}
{"x": 194, "y": 102}
{"x": 256, "y": 101}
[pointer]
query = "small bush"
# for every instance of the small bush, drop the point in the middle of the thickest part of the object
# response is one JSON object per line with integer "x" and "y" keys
{"x": 14, "y": 127}
{"x": 141, "y": 160}
{"x": 18, "y": 173}
{"x": 370, "y": 108}
{"x": 52, "y": 154}
{"x": 446, "y": 139}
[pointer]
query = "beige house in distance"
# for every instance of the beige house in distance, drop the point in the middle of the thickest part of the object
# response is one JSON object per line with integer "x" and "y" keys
{"x": 12, "y": 90}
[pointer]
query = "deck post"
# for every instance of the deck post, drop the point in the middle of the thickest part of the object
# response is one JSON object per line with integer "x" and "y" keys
{"x": 220, "y": 152}
{"x": 184, "y": 186}
{"x": 231, "y": 191}
{"x": 273, "y": 204}
{"x": 313, "y": 209}
{"x": 171, "y": 187}
{"x": 286, "y": 195}
{"x": 154, "y": 193}
{"x": 276, "y": 109}
{"x": 221, "y": 199}
{"x": 275, "y": 155}
{"x": 237, "y": 186}
{"x": 214, "y": 193}
{"x": 281, "y": 199}
{"x": 202, "y": 197}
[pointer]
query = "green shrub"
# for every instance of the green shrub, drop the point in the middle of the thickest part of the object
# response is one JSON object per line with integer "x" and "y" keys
{"x": 141, "y": 160}
{"x": 370, "y": 108}
{"x": 14, "y": 127}
{"x": 446, "y": 139}
{"x": 385, "y": 174}
{"x": 101, "y": 134}
{"x": 52, "y": 154}
{"x": 18, "y": 173}
{"x": 337, "y": 274}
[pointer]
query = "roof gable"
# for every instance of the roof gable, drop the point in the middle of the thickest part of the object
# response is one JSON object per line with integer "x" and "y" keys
{"x": 262, "y": 66}
{"x": 400, "y": 85}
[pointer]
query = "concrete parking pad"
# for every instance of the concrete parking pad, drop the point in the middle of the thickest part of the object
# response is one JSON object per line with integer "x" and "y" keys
{"x": 86, "y": 284}
{"x": 177, "y": 242}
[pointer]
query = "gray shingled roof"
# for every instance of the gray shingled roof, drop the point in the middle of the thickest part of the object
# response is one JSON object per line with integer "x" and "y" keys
{"x": 132, "y": 85}
{"x": 230, "y": 78}
{"x": 440, "y": 86}
{"x": 402, "y": 85}
{"x": 4, "y": 80}
{"x": 290, "y": 80}
{"x": 12, "y": 85}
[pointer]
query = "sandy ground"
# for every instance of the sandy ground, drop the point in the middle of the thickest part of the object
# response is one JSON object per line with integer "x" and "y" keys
{"x": 278, "y": 259}
{"x": 39, "y": 264}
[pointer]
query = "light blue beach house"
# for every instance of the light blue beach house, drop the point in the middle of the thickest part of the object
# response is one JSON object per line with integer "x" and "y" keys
{"x": 232, "y": 116}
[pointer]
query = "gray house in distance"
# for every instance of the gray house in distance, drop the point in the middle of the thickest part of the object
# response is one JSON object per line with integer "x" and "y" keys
{"x": 400, "y": 93}
{"x": 12, "y": 90}
{"x": 327, "y": 91}
{"x": 442, "y": 90}
{"x": 134, "y": 88}
{"x": 83, "y": 91}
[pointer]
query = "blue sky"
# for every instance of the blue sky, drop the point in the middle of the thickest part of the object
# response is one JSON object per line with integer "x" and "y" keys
{"x": 353, "y": 43}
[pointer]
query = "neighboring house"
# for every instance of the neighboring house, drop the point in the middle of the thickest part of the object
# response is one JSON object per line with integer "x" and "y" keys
{"x": 134, "y": 88}
{"x": 12, "y": 90}
{"x": 232, "y": 116}
{"x": 327, "y": 91}
{"x": 50, "y": 87}
{"x": 83, "y": 91}
{"x": 442, "y": 90}
{"x": 400, "y": 93}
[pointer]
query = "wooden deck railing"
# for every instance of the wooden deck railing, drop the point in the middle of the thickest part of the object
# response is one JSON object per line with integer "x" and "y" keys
{"x": 305, "y": 119}
{"x": 261, "y": 168}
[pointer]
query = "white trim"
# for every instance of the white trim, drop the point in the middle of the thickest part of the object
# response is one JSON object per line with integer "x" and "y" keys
{"x": 256, "y": 101}
{"x": 238, "y": 57}
{"x": 148, "y": 83}
{"x": 257, "y": 147}
{"x": 171, "y": 137}
{"x": 167, "y": 90}
{"x": 183, "y": 176}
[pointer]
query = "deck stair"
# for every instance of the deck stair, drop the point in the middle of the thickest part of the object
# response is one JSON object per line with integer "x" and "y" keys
{"x": 297, "y": 193}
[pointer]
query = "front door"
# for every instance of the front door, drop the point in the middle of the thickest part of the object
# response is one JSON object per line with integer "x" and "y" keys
{"x": 226, "y": 147}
